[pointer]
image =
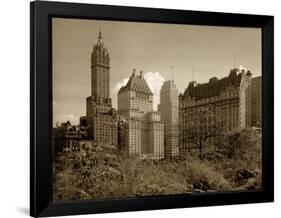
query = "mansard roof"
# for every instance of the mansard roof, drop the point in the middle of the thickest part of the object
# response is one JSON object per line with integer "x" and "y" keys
{"x": 214, "y": 87}
{"x": 137, "y": 83}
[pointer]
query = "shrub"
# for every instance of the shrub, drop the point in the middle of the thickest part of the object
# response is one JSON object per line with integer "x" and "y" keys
{"x": 203, "y": 177}
{"x": 97, "y": 171}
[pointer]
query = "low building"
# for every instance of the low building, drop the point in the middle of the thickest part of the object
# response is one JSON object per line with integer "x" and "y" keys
{"x": 67, "y": 136}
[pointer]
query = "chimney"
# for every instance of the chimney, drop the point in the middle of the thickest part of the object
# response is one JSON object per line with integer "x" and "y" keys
{"x": 134, "y": 72}
{"x": 213, "y": 79}
{"x": 249, "y": 73}
{"x": 141, "y": 76}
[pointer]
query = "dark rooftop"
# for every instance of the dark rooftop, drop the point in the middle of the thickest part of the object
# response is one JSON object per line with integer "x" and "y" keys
{"x": 137, "y": 83}
{"x": 215, "y": 86}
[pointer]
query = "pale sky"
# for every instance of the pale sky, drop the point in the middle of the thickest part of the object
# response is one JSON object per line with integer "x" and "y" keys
{"x": 196, "y": 52}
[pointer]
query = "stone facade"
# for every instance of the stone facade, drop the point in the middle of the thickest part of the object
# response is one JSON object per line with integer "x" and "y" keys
{"x": 145, "y": 131}
{"x": 256, "y": 101}
{"x": 169, "y": 108}
{"x": 229, "y": 99}
{"x": 101, "y": 118}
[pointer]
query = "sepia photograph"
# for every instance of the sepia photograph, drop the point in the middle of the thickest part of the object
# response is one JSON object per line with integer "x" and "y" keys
{"x": 151, "y": 109}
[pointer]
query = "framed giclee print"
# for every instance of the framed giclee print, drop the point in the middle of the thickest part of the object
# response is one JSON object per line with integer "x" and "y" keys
{"x": 141, "y": 109}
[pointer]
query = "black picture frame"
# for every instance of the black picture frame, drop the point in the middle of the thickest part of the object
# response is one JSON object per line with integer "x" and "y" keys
{"x": 41, "y": 13}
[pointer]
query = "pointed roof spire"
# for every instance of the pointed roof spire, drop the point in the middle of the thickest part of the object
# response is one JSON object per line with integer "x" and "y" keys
{"x": 99, "y": 46}
{"x": 172, "y": 67}
{"x": 100, "y": 36}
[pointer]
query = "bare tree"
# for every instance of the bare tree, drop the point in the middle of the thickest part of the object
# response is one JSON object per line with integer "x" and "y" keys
{"x": 201, "y": 124}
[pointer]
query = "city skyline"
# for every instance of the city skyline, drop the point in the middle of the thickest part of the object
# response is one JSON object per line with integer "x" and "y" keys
{"x": 204, "y": 137}
{"x": 212, "y": 53}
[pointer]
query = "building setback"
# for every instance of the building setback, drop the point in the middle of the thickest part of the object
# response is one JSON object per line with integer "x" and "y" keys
{"x": 101, "y": 118}
{"x": 169, "y": 109}
{"x": 229, "y": 98}
{"x": 256, "y": 101}
{"x": 145, "y": 131}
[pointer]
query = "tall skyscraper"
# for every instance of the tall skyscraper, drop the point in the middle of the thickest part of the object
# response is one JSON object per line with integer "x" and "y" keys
{"x": 145, "y": 132}
{"x": 100, "y": 66}
{"x": 256, "y": 101}
{"x": 101, "y": 118}
{"x": 169, "y": 109}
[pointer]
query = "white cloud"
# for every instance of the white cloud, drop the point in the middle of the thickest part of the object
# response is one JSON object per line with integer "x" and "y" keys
{"x": 154, "y": 80}
{"x": 242, "y": 68}
{"x": 119, "y": 85}
{"x": 61, "y": 118}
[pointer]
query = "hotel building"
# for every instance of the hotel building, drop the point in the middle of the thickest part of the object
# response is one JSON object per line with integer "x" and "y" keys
{"x": 230, "y": 97}
{"x": 145, "y": 131}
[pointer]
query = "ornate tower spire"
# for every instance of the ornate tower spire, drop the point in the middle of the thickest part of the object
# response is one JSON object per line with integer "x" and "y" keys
{"x": 100, "y": 36}
{"x": 100, "y": 65}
